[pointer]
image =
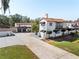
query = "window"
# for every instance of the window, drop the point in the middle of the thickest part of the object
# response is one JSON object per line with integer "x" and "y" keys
{"x": 49, "y": 32}
{"x": 50, "y": 24}
{"x": 59, "y": 25}
{"x": 43, "y": 23}
{"x": 58, "y": 32}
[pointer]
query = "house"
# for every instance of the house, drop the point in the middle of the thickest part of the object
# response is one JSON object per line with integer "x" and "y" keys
{"x": 68, "y": 24}
{"x": 49, "y": 25}
{"x": 23, "y": 27}
{"x": 76, "y": 23}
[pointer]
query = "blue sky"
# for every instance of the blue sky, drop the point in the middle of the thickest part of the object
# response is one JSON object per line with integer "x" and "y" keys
{"x": 66, "y": 9}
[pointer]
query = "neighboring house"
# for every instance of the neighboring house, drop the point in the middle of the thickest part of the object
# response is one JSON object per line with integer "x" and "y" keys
{"x": 76, "y": 23}
{"x": 23, "y": 27}
{"x": 49, "y": 25}
{"x": 68, "y": 24}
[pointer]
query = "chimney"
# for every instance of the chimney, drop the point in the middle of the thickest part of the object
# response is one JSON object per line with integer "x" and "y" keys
{"x": 46, "y": 15}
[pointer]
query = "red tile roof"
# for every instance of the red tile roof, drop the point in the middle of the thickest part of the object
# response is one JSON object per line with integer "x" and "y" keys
{"x": 53, "y": 20}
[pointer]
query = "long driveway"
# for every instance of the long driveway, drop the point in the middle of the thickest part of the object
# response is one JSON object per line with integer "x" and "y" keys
{"x": 40, "y": 48}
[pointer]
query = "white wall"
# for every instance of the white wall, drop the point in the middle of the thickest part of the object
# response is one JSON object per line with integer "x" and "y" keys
{"x": 69, "y": 25}
{"x": 51, "y": 28}
{"x": 43, "y": 35}
{"x": 22, "y": 25}
{"x": 43, "y": 27}
{"x": 47, "y": 27}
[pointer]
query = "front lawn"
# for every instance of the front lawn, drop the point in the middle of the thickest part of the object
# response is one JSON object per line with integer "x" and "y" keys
{"x": 16, "y": 52}
{"x": 72, "y": 47}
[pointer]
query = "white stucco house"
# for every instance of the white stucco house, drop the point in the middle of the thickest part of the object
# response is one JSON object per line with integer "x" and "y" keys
{"x": 49, "y": 25}
{"x": 53, "y": 27}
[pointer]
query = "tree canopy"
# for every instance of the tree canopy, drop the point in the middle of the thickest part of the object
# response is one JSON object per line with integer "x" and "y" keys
{"x": 35, "y": 25}
{"x": 7, "y": 21}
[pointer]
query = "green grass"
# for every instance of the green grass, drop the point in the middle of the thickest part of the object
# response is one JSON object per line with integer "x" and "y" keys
{"x": 76, "y": 41}
{"x": 16, "y": 52}
{"x": 68, "y": 46}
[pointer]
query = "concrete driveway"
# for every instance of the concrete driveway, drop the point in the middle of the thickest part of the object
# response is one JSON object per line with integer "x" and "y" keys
{"x": 40, "y": 48}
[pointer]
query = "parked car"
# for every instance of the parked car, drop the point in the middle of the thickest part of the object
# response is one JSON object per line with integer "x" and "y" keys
{"x": 10, "y": 34}
{"x": 6, "y": 33}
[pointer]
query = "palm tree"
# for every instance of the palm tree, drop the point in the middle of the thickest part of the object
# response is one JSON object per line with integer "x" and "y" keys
{"x": 5, "y": 5}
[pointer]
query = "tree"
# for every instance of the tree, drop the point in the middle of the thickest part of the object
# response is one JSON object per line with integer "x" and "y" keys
{"x": 15, "y": 19}
{"x": 5, "y": 5}
{"x": 26, "y": 19}
{"x": 4, "y": 21}
{"x": 35, "y": 28}
{"x": 35, "y": 25}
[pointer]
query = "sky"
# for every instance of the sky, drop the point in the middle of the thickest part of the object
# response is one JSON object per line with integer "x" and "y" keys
{"x": 65, "y": 9}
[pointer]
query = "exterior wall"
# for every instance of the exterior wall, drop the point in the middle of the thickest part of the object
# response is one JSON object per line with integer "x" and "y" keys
{"x": 51, "y": 28}
{"x": 47, "y": 27}
{"x": 23, "y": 27}
{"x": 59, "y": 25}
{"x": 68, "y": 25}
{"x": 13, "y": 29}
{"x": 43, "y": 27}
{"x": 64, "y": 25}
{"x": 77, "y": 23}
{"x": 43, "y": 35}
{"x": 56, "y": 34}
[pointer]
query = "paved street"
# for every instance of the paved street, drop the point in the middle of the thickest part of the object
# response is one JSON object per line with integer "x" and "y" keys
{"x": 9, "y": 41}
{"x": 40, "y": 48}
